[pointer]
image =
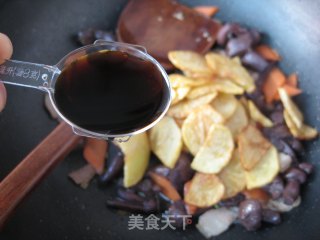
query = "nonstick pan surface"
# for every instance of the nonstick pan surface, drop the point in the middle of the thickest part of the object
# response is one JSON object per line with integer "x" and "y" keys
{"x": 41, "y": 31}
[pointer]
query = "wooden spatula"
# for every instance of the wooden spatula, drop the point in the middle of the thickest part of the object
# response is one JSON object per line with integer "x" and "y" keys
{"x": 34, "y": 167}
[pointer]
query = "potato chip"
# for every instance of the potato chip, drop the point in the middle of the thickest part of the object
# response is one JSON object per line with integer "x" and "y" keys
{"x": 190, "y": 61}
{"x": 217, "y": 85}
{"x": 205, "y": 190}
{"x": 173, "y": 96}
{"x": 252, "y": 146}
{"x": 216, "y": 151}
{"x": 265, "y": 171}
{"x": 304, "y": 133}
{"x": 233, "y": 176}
{"x": 291, "y": 108}
{"x": 225, "y": 104}
{"x": 166, "y": 141}
{"x": 184, "y": 108}
{"x": 307, "y": 133}
{"x": 232, "y": 69}
{"x": 179, "y": 94}
{"x": 238, "y": 121}
{"x": 136, "y": 158}
{"x": 227, "y": 86}
{"x": 196, "y": 127}
{"x": 291, "y": 125}
{"x": 201, "y": 90}
{"x": 178, "y": 80}
{"x": 257, "y": 116}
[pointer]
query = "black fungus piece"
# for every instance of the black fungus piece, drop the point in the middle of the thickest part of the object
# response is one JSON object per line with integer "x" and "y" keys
{"x": 256, "y": 36}
{"x": 291, "y": 192}
{"x": 277, "y": 117}
{"x": 284, "y": 147}
{"x": 275, "y": 188}
{"x": 239, "y": 45}
{"x": 295, "y": 144}
{"x": 254, "y": 61}
{"x": 85, "y": 37}
{"x": 147, "y": 206}
{"x": 296, "y": 174}
{"x": 114, "y": 166}
{"x": 129, "y": 195}
{"x": 88, "y": 36}
{"x": 250, "y": 214}
{"x": 306, "y": 167}
{"x": 228, "y": 31}
{"x": 104, "y": 35}
{"x": 271, "y": 216}
{"x": 232, "y": 202}
{"x": 145, "y": 188}
{"x": 182, "y": 172}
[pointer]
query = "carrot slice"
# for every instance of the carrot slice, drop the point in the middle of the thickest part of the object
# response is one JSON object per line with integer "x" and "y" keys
{"x": 274, "y": 80}
{"x": 257, "y": 194}
{"x": 191, "y": 209}
{"x": 292, "y": 91}
{"x": 166, "y": 186}
{"x": 268, "y": 53}
{"x": 292, "y": 80}
{"x": 207, "y": 11}
{"x": 94, "y": 153}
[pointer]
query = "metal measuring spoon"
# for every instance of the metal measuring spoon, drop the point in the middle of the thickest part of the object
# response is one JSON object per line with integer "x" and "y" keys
{"x": 44, "y": 77}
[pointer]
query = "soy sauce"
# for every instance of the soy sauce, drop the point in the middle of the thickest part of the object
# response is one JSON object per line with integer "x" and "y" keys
{"x": 110, "y": 92}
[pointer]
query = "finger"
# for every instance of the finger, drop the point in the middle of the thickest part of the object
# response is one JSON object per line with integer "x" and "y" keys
{"x": 3, "y": 96}
{"x": 5, "y": 53}
{"x": 5, "y": 47}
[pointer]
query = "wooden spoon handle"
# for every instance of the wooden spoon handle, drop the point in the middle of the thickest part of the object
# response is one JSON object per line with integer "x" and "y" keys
{"x": 34, "y": 167}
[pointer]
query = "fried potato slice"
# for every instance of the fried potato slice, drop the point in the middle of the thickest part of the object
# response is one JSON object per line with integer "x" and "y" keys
{"x": 225, "y": 104}
{"x": 233, "y": 176}
{"x": 205, "y": 190}
{"x": 178, "y": 80}
{"x": 184, "y": 108}
{"x": 291, "y": 108}
{"x": 291, "y": 125}
{"x": 196, "y": 127}
{"x": 201, "y": 90}
{"x": 225, "y": 67}
{"x": 216, "y": 151}
{"x": 252, "y": 146}
{"x": 217, "y": 85}
{"x": 166, "y": 141}
{"x": 227, "y": 86}
{"x": 238, "y": 121}
{"x": 136, "y": 158}
{"x": 304, "y": 133}
{"x": 257, "y": 116}
{"x": 179, "y": 94}
{"x": 173, "y": 96}
{"x": 190, "y": 61}
{"x": 307, "y": 133}
{"x": 265, "y": 171}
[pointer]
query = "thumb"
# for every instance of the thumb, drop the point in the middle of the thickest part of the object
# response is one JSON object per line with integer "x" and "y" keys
{"x": 5, "y": 53}
{"x": 5, "y": 47}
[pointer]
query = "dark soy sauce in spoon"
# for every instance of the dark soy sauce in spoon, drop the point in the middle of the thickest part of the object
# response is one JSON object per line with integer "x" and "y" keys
{"x": 110, "y": 92}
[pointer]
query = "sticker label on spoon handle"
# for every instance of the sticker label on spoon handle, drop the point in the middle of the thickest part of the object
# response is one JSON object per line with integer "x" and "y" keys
{"x": 27, "y": 74}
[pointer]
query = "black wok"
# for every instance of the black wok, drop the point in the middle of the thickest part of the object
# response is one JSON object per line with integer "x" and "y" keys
{"x": 41, "y": 32}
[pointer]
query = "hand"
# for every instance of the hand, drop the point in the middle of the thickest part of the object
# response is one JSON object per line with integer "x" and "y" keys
{"x": 5, "y": 53}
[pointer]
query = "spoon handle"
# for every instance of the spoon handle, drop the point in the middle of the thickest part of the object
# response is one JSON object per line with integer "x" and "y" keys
{"x": 34, "y": 167}
{"x": 27, "y": 74}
